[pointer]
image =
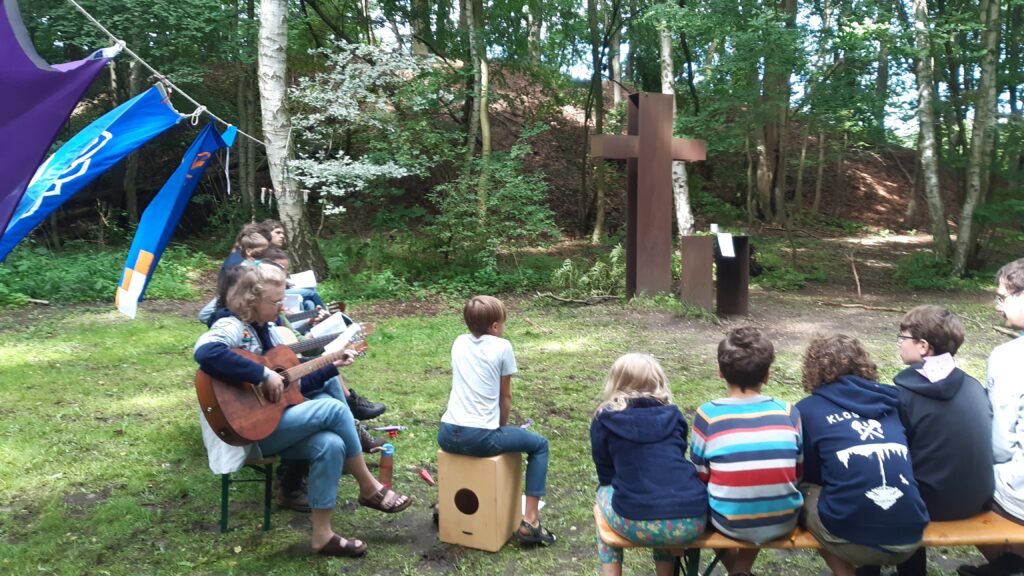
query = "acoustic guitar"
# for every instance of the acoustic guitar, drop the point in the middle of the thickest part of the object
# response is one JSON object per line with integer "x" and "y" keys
{"x": 287, "y": 336}
{"x": 331, "y": 307}
{"x": 239, "y": 413}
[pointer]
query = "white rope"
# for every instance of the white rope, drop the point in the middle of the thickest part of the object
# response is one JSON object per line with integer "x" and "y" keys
{"x": 200, "y": 108}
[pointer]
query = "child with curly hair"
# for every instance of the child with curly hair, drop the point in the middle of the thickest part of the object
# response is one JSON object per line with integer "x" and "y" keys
{"x": 860, "y": 498}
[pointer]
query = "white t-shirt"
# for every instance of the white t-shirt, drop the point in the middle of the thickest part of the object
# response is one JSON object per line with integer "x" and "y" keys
{"x": 477, "y": 367}
{"x": 1005, "y": 384}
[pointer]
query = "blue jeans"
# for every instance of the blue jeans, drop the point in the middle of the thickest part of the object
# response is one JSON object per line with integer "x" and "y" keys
{"x": 310, "y": 297}
{"x": 485, "y": 443}
{"x": 322, "y": 431}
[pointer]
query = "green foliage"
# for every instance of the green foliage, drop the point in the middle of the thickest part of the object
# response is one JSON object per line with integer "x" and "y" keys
{"x": 513, "y": 215}
{"x": 713, "y": 209}
{"x": 922, "y": 271}
{"x": 607, "y": 276}
{"x": 778, "y": 272}
{"x": 83, "y": 274}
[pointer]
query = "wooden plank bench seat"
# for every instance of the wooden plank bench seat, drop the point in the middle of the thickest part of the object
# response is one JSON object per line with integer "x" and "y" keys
{"x": 984, "y": 529}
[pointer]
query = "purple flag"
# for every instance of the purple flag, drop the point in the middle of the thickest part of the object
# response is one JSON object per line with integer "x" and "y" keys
{"x": 35, "y": 100}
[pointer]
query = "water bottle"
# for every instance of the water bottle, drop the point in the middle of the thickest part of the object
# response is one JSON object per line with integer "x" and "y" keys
{"x": 387, "y": 463}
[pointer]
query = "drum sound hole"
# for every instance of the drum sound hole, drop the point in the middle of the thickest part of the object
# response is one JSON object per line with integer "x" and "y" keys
{"x": 467, "y": 502}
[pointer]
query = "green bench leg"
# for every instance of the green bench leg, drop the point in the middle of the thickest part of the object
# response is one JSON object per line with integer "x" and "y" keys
{"x": 267, "y": 471}
{"x": 268, "y": 487}
{"x": 225, "y": 483}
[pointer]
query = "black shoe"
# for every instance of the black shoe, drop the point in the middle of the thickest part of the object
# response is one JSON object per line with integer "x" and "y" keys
{"x": 1005, "y": 565}
{"x": 363, "y": 409}
{"x": 368, "y": 442}
{"x": 294, "y": 500}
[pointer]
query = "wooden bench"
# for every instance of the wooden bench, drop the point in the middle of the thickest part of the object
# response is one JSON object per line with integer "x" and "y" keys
{"x": 984, "y": 529}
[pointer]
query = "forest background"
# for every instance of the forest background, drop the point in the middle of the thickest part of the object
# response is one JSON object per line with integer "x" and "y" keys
{"x": 441, "y": 147}
{"x": 431, "y": 150}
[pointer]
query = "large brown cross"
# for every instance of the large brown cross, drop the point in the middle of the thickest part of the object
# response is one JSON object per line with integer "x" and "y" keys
{"x": 649, "y": 150}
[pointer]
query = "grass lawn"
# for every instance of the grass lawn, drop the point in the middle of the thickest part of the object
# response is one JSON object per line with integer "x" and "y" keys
{"x": 102, "y": 469}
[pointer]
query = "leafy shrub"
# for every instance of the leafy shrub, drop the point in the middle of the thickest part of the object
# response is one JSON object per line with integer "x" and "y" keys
{"x": 778, "y": 273}
{"x": 921, "y": 271}
{"x": 714, "y": 209}
{"x": 605, "y": 277}
{"x": 514, "y": 214}
{"x": 80, "y": 273}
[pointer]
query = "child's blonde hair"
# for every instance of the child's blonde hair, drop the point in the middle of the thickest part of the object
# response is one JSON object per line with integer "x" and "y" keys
{"x": 481, "y": 312}
{"x": 634, "y": 375}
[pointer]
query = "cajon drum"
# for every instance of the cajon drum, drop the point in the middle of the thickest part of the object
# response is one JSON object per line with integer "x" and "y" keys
{"x": 479, "y": 499}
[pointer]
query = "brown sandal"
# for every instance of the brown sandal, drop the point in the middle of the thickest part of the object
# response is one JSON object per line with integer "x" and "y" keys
{"x": 349, "y": 550}
{"x": 380, "y": 496}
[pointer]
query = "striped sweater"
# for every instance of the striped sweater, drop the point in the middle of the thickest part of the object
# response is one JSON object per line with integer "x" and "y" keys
{"x": 750, "y": 453}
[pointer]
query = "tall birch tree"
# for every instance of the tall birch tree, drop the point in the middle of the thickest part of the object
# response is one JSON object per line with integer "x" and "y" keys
{"x": 926, "y": 124}
{"x": 982, "y": 134}
{"x": 277, "y": 133}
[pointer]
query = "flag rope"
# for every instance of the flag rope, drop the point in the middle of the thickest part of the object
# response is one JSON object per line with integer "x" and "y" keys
{"x": 200, "y": 109}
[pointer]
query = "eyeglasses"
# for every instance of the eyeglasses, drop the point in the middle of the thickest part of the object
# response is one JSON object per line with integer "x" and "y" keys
{"x": 1001, "y": 298}
{"x": 900, "y": 338}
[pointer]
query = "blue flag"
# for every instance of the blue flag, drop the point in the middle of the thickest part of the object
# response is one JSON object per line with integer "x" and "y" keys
{"x": 161, "y": 217}
{"x": 88, "y": 154}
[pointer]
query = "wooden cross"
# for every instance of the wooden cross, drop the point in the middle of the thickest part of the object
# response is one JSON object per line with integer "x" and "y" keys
{"x": 649, "y": 150}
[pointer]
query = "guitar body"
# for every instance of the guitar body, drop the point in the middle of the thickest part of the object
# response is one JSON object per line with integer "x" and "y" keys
{"x": 239, "y": 413}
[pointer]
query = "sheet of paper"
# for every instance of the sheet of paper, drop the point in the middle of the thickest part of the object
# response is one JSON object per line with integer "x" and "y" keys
{"x": 305, "y": 279}
{"x": 351, "y": 333}
{"x": 331, "y": 325}
{"x": 725, "y": 246}
{"x": 292, "y": 303}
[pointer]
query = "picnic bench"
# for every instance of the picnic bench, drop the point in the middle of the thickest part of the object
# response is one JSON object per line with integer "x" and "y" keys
{"x": 985, "y": 529}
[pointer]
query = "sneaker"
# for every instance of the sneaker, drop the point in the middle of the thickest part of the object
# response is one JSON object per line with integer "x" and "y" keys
{"x": 363, "y": 409}
{"x": 295, "y": 500}
{"x": 1005, "y": 565}
{"x": 369, "y": 443}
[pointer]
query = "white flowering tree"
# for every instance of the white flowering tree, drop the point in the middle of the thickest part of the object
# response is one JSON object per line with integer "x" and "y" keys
{"x": 356, "y": 122}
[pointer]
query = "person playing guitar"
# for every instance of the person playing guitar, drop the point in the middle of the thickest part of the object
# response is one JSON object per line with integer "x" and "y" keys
{"x": 320, "y": 429}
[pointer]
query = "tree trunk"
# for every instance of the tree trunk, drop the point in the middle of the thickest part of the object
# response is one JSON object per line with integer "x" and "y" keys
{"x": 798, "y": 194}
{"x": 981, "y": 131}
{"x": 419, "y": 21}
{"x": 534, "y": 23}
{"x": 485, "y": 121}
{"x": 926, "y": 123}
{"x": 680, "y": 183}
{"x": 131, "y": 168}
{"x": 474, "y": 57}
{"x": 819, "y": 180}
{"x": 597, "y": 90}
{"x": 615, "y": 65}
{"x": 277, "y": 125}
{"x": 881, "y": 90}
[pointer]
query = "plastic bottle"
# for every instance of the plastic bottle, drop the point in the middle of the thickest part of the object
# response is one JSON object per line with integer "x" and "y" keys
{"x": 387, "y": 463}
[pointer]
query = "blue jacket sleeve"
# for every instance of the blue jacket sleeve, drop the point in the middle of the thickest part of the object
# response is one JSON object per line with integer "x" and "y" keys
{"x": 217, "y": 360}
{"x": 315, "y": 380}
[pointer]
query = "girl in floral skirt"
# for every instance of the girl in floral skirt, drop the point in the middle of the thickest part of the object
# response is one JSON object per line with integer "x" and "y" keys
{"x": 649, "y": 492}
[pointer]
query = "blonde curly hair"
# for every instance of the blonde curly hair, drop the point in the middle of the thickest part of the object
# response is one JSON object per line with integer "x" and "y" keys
{"x": 827, "y": 358}
{"x": 255, "y": 280}
{"x": 634, "y": 375}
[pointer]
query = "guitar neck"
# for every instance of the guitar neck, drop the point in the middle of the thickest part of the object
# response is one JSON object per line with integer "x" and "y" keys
{"x": 306, "y": 368}
{"x": 312, "y": 343}
{"x": 331, "y": 308}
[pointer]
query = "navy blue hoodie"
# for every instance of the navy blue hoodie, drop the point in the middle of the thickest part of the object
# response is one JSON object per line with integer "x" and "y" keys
{"x": 855, "y": 447}
{"x": 949, "y": 431}
{"x": 641, "y": 452}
